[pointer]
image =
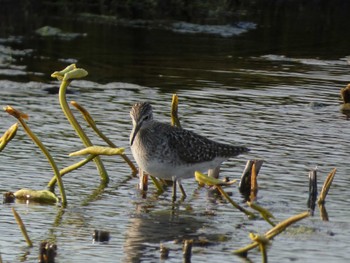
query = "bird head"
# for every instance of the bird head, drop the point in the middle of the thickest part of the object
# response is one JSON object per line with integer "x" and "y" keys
{"x": 142, "y": 115}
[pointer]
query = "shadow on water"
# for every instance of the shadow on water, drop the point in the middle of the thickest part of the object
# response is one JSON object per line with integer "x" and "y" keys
{"x": 147, "y": 230}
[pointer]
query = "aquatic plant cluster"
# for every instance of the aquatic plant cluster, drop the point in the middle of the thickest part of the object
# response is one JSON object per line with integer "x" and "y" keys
{"x": 248, "y": 184}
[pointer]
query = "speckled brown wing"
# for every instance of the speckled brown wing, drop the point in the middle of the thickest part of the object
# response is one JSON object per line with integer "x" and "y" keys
{"x": 194, "y": 148}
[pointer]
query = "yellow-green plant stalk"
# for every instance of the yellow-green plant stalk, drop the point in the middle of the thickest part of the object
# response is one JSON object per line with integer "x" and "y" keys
{"x": 245, "y": 211}
{"x": 91, "y": 122}
{"x": 98, "y": 150}
{"x": 66, "y": 76}
{"x": 211, "y": 181}
{"x": 96, "y": 194}
{"x": 22, "y": 227}
{"x": 19, "y": 116}
{"x": 323, "y": 212}
{"x": 158, "y": 185}
{"x": 263, "y": 242}
{"x": 51, "y": 184}
{"x": 279, "y": 228}
{"x": 325, "y": 188}
{"x": 322, "y": 197}
{"x": 254, "y": 183}
{"x": 174, "y": 111}
{"x": 8, "y": 136}
{"x": 263, "y": 212}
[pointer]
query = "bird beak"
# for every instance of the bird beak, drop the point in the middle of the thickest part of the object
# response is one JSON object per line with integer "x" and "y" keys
{"x": 134, "y": 132}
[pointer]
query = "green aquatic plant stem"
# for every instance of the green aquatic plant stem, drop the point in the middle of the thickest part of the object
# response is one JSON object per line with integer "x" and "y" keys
{"x": 263, "y": 212}
{"x": 279, "y": 228}
{"x": 98, "y": 150}
{"x": 157, "y": 184}
{"x": 65, "y": 81}
{"x": 35, "y": 139}
{"x": 245, "y": 211}
{"x": 22, "y": 227}
{"x": 174, "y": 111}
{"x": 93, "y": 151}
{"x": 211, "y": 181}
{"x": 91, "y": 122}
{"x": 263, "y": 242}
{"x": 8, "y": 136}
{"x": 325, "y": 188}
{"x": 51, "y": 184}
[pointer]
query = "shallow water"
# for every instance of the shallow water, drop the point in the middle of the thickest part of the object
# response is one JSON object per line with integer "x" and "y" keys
{"x": 282, "y": 105}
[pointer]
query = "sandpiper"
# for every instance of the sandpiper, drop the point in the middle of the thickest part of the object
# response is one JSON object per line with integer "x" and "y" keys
{"x": 173, "y": 153}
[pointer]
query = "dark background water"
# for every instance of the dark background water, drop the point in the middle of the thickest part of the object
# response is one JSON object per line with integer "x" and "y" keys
{"x": 274, "y": 88}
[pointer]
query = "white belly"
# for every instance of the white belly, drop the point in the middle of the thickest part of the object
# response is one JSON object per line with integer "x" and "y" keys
{"x": 167, "y": 170}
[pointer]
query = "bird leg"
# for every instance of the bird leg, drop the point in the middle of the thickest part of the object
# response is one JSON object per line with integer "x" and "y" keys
{"x": 143, "y": 184}
{"x": 182, "y": 190}
{"x": 174, "y": 189}
{"x": 214, "y": 172}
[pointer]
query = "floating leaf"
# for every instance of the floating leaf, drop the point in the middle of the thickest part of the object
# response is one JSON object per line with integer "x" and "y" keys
{"x": 208, "y": 180}
{"x": 60, "y": 74}
{"x": 70, "y": 72}
{"x": 75, "y": 74}
{"x": 99, "y": 150}
{"x": 39, "y": 196}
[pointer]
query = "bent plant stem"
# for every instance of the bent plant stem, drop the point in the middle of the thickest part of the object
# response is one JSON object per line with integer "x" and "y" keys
{"x": 76, "y": 126}
{"x": 211, "y": 181}
{"x": 22, "y": 227}
{"x": 263, "y": 212}
{"x": 95, "y": 194}
{"x": 93, "y": 152}
{"x": 224, "y": 194}
{"x": 51, "y": 184}
{"x": 325, "y": 188}
{"x": 279, "y": 228}
{"x": 157, "y": 184}
{"x": 50, "y": 159}
{"x": 42, "y": 147}
{"x": 263, "y": 242}
{"x": 92, "y": 124}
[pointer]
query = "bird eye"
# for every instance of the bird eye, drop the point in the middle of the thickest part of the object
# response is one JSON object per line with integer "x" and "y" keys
{"x": 146, "y": 118}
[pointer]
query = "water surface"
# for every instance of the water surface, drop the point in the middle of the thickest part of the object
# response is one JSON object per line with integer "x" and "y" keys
{"x": 279, "y": 99}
